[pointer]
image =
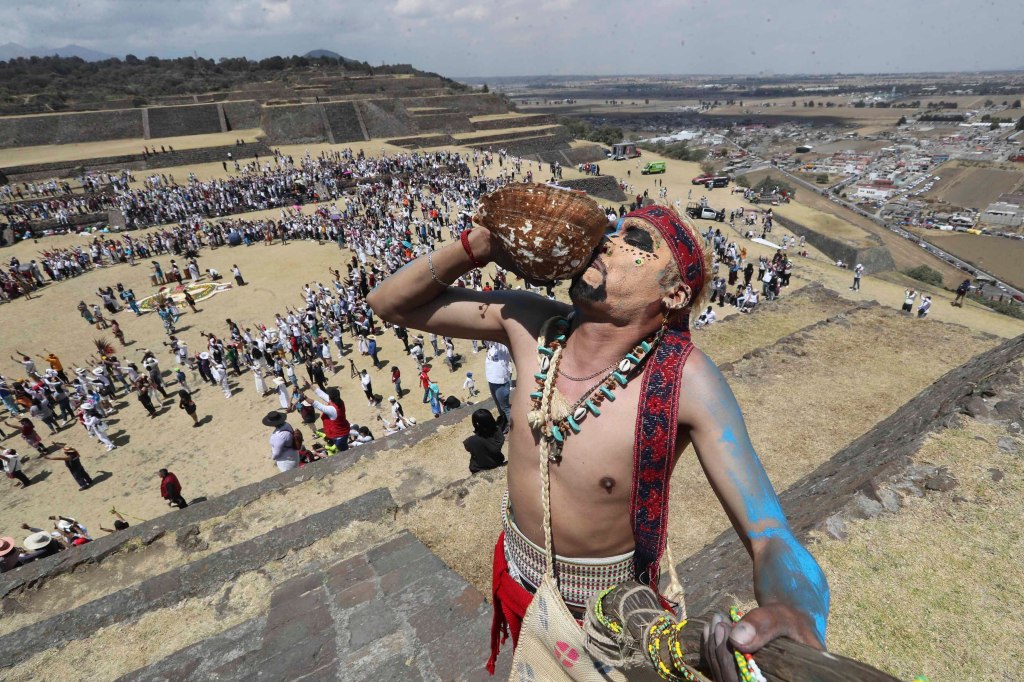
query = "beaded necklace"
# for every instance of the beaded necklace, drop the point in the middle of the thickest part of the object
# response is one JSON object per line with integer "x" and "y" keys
{"x": 555, "y": 429}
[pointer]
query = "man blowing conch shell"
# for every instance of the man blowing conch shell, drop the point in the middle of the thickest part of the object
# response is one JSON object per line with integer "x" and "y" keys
{"x": 587, "y": 371}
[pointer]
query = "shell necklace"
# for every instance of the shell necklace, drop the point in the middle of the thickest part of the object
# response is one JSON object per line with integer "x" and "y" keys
{"x": 551, "y": 416}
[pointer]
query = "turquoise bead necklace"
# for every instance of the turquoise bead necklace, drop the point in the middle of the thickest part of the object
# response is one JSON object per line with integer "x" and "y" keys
{"x": 555, "y": 430}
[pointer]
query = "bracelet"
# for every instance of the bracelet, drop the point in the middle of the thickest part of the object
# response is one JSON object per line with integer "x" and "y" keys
{"x": 748, "y": 670}
{"x": 433, "y": 274}
{"x": 464, "y": 238}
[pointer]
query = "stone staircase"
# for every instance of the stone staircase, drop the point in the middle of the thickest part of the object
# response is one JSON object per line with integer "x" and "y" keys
{"x": 351, "y": 569}
{"x": 392, "y": 612}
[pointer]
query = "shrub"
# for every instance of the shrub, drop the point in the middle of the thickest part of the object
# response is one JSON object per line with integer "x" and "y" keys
{"x": 923, "y": 273}
{"x": 1008, "y": 308}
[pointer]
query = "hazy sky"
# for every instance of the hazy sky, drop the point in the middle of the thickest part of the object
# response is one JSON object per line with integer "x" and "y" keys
{"x": 516, "y": 37}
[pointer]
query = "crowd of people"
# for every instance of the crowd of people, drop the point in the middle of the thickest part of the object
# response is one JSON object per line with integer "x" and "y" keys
{"x": 385, "y": 222}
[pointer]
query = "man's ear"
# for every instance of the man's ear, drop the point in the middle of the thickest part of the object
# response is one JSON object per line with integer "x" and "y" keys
{"x": 678, "y": 298}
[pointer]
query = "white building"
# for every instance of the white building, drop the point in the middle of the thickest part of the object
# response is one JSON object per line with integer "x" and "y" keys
{"x": 871, "y": 194}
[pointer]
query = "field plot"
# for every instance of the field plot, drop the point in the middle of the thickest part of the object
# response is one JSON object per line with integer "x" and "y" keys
{"x": 999, "y": 256}
{"x": 973, "y": 187}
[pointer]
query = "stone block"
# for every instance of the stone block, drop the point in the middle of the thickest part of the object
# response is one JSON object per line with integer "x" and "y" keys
{"x": 406, "y": 574}
{"x": 348, "y": 572}
{"x": 1008, "y": 445}
{"x": 355, "y": 594}
{"x": 402, "y": 550}
{"x": 369, "y": 622}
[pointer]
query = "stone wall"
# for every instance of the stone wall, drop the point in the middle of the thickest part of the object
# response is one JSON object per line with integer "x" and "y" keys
{"x": 196, "y": 119}
{"x": 854, "y": 480}
{"x": 529, "y": 147}
{"x": 243, "y": 115}
{"x": 471, "y": 104}
{"x": 873, "y": 258}
{"x": 499, "y": 138}
{"x": 585, "y": 154}
{"x": 386, "y": 118}
{"x": 423, "y": 141}
{"x": 293, "y": 123}
{"x": 603, "y": 186}
{"x": 386, "y": 86}
{"x": 87, "y": 126}
{"x": 442, "y": 122}
{"x": 344, "y": 122}
{"x": 514, "y": 122}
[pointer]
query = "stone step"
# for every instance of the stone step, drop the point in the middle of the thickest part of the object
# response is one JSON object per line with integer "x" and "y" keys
{"x": 195, "y": 579}
{"x": 70, "y": 579}
{"x": 393, "y": 612}
{"x": 799, "y": 305}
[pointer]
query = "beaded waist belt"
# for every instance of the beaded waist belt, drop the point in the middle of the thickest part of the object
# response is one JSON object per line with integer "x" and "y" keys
{"x": 578, "y": 579}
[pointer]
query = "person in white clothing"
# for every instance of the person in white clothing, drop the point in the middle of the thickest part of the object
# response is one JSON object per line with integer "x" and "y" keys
{"x": 498, "y": 369}
{"x": 924, "y": 307}
{"x": 97, "y": 427}
{"x": 220, "y": 375}
{"x": 261, "y": 384}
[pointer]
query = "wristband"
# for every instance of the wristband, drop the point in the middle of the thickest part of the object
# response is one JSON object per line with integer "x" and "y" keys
{"x": 469, "y": 251}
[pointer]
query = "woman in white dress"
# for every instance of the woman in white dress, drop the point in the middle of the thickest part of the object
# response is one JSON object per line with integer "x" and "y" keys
{"x": 282, "y": 393}
{"x": 261, "y": 385}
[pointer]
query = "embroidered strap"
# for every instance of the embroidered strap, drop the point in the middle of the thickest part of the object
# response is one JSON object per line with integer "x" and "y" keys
{"x": 654, "y": 443}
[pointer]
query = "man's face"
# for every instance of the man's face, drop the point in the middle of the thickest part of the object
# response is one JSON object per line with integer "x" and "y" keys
{"x": 625, "y": 274}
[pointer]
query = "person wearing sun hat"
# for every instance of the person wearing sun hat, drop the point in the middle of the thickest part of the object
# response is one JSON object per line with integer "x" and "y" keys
{"x": 282, "y": 443}
{"x": 38, "y": 546}
{"x": 8, "y": 554}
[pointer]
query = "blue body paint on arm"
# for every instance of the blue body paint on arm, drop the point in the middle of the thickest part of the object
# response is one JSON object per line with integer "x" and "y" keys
{"x": 787, "y": 571}
{"x": 791, "y": 573}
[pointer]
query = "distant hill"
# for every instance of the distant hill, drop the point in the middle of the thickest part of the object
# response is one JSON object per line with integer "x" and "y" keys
{"x": 14, "y": 50}
{"x": 316, "y": 54}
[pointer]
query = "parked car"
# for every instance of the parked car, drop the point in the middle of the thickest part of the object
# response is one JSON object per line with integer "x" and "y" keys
{"x": 695, "y": 210}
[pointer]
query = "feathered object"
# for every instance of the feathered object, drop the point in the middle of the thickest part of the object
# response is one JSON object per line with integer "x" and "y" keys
{"x": 549, "y": 232}
{"x": 103, "y": 347}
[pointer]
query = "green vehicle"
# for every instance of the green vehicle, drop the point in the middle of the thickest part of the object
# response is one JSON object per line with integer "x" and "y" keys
{"x": 653, "y": 167}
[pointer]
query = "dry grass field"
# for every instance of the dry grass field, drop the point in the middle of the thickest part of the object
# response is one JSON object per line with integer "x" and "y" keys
{"x": 1000, "y": 256}
{"x": 936, "y": 589}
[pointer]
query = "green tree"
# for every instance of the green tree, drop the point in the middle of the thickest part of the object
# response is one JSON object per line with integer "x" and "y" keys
{"x": 485, "y": 88}
{"x": 821, "y": 178}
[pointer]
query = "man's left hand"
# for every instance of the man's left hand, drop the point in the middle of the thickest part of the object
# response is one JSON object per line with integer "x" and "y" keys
{"x": 752, "y": 632}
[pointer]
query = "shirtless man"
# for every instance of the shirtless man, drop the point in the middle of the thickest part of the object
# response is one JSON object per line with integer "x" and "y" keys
{"x": 639, "y": 279}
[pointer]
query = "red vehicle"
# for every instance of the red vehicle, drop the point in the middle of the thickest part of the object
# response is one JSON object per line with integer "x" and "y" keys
{"x": 715, "y": 180}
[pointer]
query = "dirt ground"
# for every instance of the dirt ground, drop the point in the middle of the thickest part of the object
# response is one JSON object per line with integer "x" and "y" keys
{"x": 91, "y": 150}
{"x": 230, "y": 449}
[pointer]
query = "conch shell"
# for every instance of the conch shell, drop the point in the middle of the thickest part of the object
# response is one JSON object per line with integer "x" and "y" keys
{"x": 550, "y": 233}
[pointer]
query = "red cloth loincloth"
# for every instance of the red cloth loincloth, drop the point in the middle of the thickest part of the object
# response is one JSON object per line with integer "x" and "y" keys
{"x": 510, "y": 603}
